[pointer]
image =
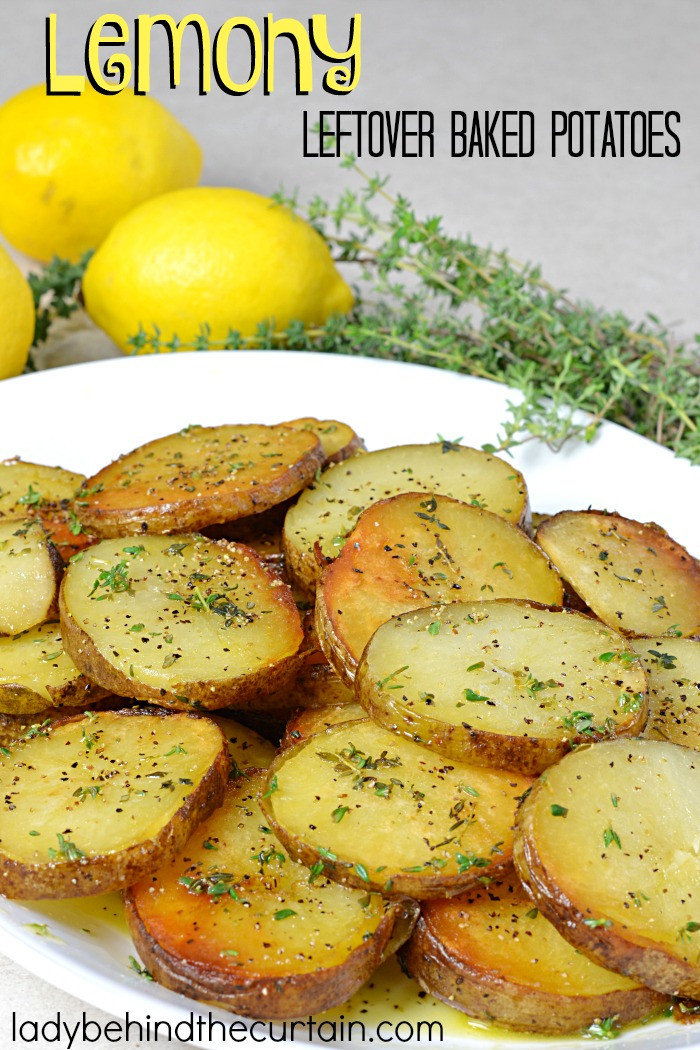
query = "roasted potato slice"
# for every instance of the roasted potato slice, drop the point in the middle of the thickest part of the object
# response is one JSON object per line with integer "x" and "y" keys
{"x": 492, "y": 955}
{"x": 247, "y": 749}
{"x": 338, "y": 440}
{"x": 180, "y": 621}
{"x": 30, "y": 572}
{"x": 410, "y": 551}
{"x": 506, "y": 684}
{"x": 232, "y": 919}
{"x": 328, "y": 510}
{"x": 634, "y": 577}
{"x": 30, "y": 490}
{"x": 314, "y": 720}
{"x": 18, "y": 727}
{"x": 197, "y": 477}
{"x": 335, "y": 799}
{"x": 607, "y": 846}
{"x": 94, "y": 803}
{"x": 36, "y": 672}
{"x": 26, "y": 488}
{"x": 673, "y": 675}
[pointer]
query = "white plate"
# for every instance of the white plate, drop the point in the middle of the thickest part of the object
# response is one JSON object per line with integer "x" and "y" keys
{"x": 83, "y": 416}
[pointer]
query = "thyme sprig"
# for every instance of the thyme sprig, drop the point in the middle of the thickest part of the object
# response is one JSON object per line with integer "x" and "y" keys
{"x": 426, "y": 296}
{"x": 56, "y": 292}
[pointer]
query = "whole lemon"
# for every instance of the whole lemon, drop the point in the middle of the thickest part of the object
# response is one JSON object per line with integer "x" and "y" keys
{"x": 17, "y": 313}
{"x": 220, "y": 257}
{"x": 70, "y": 166}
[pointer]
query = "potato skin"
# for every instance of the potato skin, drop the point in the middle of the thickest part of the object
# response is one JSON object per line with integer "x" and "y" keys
{"x": 640, "y": 959}
{"x": 274, "y": 998}
{"x": 108, "y": 872}
{"x": 20, "y": 700}
{"x": 483, "y": 993}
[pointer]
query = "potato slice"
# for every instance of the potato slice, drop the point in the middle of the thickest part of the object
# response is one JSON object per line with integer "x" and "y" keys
{"x": 18, "y": 727}
{"x": 337, "y": 800}
{"x": 634, "y": 577}
{"x": 197, "y": 477}
{"x": 503, "y": 683}
{"x": 607, "y": 845}
{"x": 26, "y": 488}
{"x": 247, "y": 749}
{"x": 328, "y": 510}
{"x": 315, "y": 720}
{"x": 673, "y": 673}
{"x": 94, "y": 803}
{"x": 338, "y": 440}
{"x": 36, "y": 672}
{"x": 30, "y": 572}
{"x": 180, "y": 621}
{"x": 410, "y": 551}
{"x": 30, "y": 490}
{"x": 233, "y": 920}
{"x": 492, "y": 955}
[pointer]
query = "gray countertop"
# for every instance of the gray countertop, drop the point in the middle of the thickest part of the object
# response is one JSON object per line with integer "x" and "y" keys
{"x": 622, "y": 232}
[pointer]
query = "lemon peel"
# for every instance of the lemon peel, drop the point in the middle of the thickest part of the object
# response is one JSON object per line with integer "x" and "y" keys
{"x": 222, "y": 257}
{"x": 17, "y": 312}
{"x": 70, "y": 166}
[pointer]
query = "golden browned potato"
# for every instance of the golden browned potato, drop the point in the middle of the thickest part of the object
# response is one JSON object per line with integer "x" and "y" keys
{"x": 507, "y": 684}
{"x": 607, "y": 846}
{"x": 410, "y": 551}
{"x": 338, "y": 440}
{"x": 327, "y": 512}
{"x": 673, "y": 674}
{"x": 376, "y": 811}
{"x": 25, "y": 488}
{"x": 198, "y": 477}
{"x": 31, "y": 490}
{"x": 234, "y": 919}
{"x": 180, "y": 621}
{"x": 93, "y": 803}
{"x": 492, "y": 955}
{"x": 30, "y": 572}
{"x": 36, "y": 673}
{"x": 314, "y": 720}
{"x": 633, "y": 577}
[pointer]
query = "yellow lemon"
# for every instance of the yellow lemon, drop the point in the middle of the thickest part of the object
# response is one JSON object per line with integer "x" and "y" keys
{"x": 220, "y": 257}
{"x": 70, "y": 166}
{"x": 17, "y": 313}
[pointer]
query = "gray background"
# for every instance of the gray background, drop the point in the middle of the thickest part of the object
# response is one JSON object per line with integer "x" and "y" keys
{"x": 620, "y": 232}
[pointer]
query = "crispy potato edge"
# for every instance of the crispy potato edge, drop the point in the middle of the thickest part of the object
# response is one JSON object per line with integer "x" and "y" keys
{"x": 273, "y": 998}
{"x": 484, "y": 993}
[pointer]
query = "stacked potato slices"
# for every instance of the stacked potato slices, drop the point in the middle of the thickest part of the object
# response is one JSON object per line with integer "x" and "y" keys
{"x": 485, "y": 740}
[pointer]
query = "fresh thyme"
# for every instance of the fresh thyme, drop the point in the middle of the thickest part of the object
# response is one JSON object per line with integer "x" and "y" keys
{"x": 426, "y": 296}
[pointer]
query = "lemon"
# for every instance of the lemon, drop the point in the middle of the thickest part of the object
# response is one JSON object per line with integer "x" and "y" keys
{"x": 220, "y": 257}
{"x": 70, "y": 166}
{"x": 17, "y": 313}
